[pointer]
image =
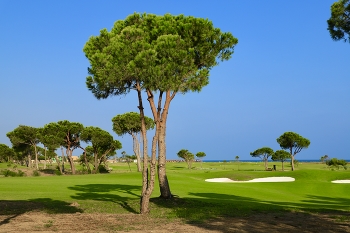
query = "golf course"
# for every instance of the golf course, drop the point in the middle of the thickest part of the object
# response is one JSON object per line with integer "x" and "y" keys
{"x": 110, "y": 202}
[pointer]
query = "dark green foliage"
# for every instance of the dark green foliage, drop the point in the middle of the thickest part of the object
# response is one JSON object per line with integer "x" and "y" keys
{"x": 23, "y": 137}
{"x": 200, "y": 155}
{"x": 294, "y": 143}
{"x": 337, "y": 163}
{"x": 130, "y": 123}
{"x": 339, "y": 22}
{"x": 58, "y": 172}
{"x": 280, "y": 155}
{"x": 160, "y": 52}
{"x": 9, "y": 173}
{"x": 102, "y": 145}
{"x": 6, "y": 153}
{"x": 102, "y": 169}
{"x": 187, "y": 156}
{"x": 36, "y": 173}
{"x": 164, "y": 54}
{"x": 263, "y": 153}
{"x": 291, "y": 140}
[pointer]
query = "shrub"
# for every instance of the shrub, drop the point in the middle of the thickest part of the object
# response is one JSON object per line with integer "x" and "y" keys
{"x": 58, "y": 173}
{"x": 36, "y": 173}
{"x": 102, "y": 169}
{"x": 9, "y": 173}
{"x": 336, "y": 163}
{"x": 20, "y": 173}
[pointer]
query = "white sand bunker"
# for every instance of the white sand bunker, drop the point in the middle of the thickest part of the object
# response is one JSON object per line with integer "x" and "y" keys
{"x": 266, "y": 179}
{"x": 341, "y": 181}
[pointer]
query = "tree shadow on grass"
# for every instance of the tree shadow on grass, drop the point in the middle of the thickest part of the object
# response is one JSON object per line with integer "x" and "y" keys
{"x": 231, "y": 213}
{"x": 13, "y": 209}
{"x": 117, "y": 193}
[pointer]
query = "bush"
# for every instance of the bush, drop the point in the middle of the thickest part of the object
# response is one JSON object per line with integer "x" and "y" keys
{"x": 336, "y": 163}
{"x": 36, "y": 173}
{"x": 102, "y": 169}
{"x": 9, "y": 173}
{"x": 58, "y": 173}
{"x": 20, "y": 173}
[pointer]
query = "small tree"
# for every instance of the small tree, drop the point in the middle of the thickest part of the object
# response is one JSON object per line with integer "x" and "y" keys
{"x": 294, "y": 143}
{"x": 339, "y": 23}
{"x": 237, "y": 160}
{"x": 324, "y": 158}
{"x": 6, "y": 153}
{"x": 187, "y": 156}
{"x": 200, "y": 155}
{"x": 281, "y": 155}
{"x": 263, "y": 153}
{"x": 102, "y": 142}
{"x": 52, "y": 138}
{"x": 130, "y": 123}
{"x": 26, "y": 135}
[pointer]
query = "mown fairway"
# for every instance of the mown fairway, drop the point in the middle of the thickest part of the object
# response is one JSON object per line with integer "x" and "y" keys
{"x": 195, "y": 199}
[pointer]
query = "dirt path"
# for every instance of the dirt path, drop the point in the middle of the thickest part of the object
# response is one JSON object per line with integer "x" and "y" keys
{"x": 262, "y": 222}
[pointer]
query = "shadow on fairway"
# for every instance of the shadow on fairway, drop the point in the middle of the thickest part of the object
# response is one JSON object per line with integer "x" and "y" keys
{"x": 214, "y": 211}
{"x": 116, "y": 193}
{"x": 17, "y": 208}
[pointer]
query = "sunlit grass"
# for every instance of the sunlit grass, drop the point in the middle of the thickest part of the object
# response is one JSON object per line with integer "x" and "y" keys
{"x": 195, "y": 199}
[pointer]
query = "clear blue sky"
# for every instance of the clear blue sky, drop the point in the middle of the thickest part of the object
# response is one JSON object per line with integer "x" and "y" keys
{"x": 286, "y": 75}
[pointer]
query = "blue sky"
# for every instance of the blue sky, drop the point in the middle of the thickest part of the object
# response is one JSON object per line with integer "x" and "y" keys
{"x": 286, "y": 75}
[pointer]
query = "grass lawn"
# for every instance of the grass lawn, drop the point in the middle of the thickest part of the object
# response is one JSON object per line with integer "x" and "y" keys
{"x": 196, "y": 200}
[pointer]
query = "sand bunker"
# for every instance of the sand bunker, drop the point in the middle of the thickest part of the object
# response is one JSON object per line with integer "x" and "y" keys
{"x": 341, "y": 181}
{"x": 266, "y": 179}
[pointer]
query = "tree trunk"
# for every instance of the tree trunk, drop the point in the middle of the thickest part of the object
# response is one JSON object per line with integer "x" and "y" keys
{"x": 85, "y": 161}
{"x": 162, "y": 177}
{"x": 36, "y": 158}
{"x": 161, "y": 129}
{"x": 96, "y": 162}
{"x": 292, "y": 162}
{"x": 265, "y": 162}
{"x": 147, "y": 181}
{"x": 62, "y": 170}
{"x": 58, "y": 164}
{"x": 70, "y": 160}
{"x": 292, "y": 157}
{"x": 136, "y": 148}
{"x": 29, "y": 164}
{"x": 45, "y": 158}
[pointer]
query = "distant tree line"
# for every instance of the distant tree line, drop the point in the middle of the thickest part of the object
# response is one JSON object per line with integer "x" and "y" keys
{"x": 64, "y": 135}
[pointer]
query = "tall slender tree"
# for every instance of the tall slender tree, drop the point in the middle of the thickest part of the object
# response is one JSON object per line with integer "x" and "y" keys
{"x": 130, "y": 123}
{"x": 156, "y": 54}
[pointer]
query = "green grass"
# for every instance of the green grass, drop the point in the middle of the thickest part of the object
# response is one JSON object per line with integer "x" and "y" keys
{"x": 195, "y": 200}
